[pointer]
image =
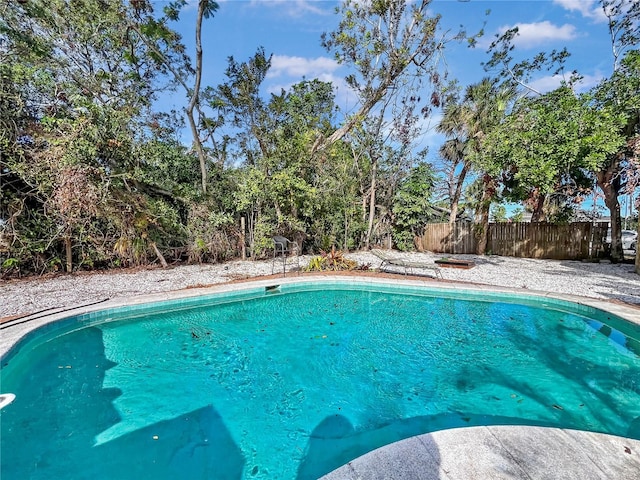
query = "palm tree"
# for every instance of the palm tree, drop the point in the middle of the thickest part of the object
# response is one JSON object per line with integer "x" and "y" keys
{"x": 466, "y": 123}
{"x": 452, "y": 151}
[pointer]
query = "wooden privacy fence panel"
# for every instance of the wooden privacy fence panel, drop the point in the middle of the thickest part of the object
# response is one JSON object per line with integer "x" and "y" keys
{"x": 441, "y": 238}
{"x": 531, "y": 240}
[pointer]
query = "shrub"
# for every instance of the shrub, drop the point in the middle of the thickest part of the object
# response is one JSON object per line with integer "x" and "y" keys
{"x": 332, "y": 260}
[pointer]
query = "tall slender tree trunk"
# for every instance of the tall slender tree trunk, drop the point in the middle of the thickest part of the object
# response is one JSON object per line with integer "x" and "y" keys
{"x": 194, "y": 102}
{"x": 68, "y": 252}
{"x": 195, "y": 98}
{"x": 609, "y": 181}
{"x": 455, "y": 199}
{"x": 485, "y": 206}
{"x": 538, "y": 208}
{"x": 483, "y": 237}
{"x": 346, "y": 231}
{"x": 611, "y": 201}
{"x": 372, "y": 203}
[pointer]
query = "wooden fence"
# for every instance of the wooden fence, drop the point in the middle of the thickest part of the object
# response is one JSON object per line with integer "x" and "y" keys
{"x": 530, "y": 240}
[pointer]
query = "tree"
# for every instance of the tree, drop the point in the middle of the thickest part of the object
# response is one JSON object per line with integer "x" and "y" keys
{"x": 620, "y": 92}
{"x": 240, "y": 100}
{"x": 412, "y": 205}
{"x": 618, "y": 174}
{"x": 518, "y": 74}
{"x": 623, "y": 20}
{"x": 546, "y": 146}
{"x": 386, "y": 43}
{"x": 80, "y": 159}
{"x": 456, "y": 170}
{"x": 167, "y": 49}
{"x": 452, "y": 151}
{"x": 481, "y": 110}
{"x": 624, "y": 25}
{"x": 278, "y": 181}
{"x": 206, "y": 8}
{"x": 384, "y": 143}
{"x": 65, "y": 85}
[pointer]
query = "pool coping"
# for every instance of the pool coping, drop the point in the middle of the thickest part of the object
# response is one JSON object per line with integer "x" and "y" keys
{"x": 15, "y": 328}
{"x": 455, "y": 454}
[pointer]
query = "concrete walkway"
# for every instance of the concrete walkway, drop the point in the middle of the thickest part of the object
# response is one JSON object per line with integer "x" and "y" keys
{"x": 503, "y": 452}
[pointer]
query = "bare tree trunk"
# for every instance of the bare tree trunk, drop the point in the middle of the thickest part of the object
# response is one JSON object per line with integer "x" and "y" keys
{"x": 611, "y": 201}
{"x": 538, "y": 209}
{"x": 194, "y": 102}
{"x": 485, "y": 206}
{"x": 455, "y": 199}
{"x": 376, "y": 96}
{"x": 195, "y": 98}
{"x": 372, "y": 203}
{"x": 163, "y": 262}
{"x": 610, "y": 183}
{"x": 243, "y": 241}
{"x": 346, "y": 231}
{"x": 276, "y": 206}
{"x": 68, "y": 252}
{"x": 483, "y": 239}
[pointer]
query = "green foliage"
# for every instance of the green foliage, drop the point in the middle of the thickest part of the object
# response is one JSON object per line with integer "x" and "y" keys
{"x": 499, "y": 213}
{"x": 412, "y": 201}
{"x": 316, "y": 264}
{"x": 547, "y": 142}
{"x": 517, "y": 215}
{"x": 210, "y": 234}
{"x": 262, "y": 244}
{"x": 86, "y": 162}
{"x": 10, "y": 263}
{"x": 412, "y": 205}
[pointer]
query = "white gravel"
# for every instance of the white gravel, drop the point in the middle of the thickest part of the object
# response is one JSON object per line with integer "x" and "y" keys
{"x": 596, "y": 280}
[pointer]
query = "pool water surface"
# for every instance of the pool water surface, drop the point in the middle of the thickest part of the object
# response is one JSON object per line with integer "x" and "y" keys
{"x": 296, "y": 381}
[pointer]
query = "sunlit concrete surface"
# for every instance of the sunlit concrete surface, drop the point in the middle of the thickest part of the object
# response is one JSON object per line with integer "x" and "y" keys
{"x": 503, "y": 452}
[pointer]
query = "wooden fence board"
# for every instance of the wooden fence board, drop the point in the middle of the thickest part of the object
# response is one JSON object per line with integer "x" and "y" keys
{"x": 530, "y": 240}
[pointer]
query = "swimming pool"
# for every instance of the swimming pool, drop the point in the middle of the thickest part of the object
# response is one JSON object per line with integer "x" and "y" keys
{"x": 294, "y": 381}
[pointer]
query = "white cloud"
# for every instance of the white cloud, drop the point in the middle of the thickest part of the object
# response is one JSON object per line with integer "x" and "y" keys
{"x": 546, "y": 84}
{"x": 532, "y": 34}
{"x": 589, "y": 81}
{"x": 551, "y": 82}
{"x": 587, "y": 8}
{"x": 295, "y": 8}
{"x": 301, "y": 67}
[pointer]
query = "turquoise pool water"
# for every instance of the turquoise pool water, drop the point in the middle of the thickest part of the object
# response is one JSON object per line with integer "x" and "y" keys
{"x": 295, "y": 382}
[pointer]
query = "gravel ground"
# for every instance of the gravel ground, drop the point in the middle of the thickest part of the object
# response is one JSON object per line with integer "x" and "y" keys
{"x": 597, "y": 280}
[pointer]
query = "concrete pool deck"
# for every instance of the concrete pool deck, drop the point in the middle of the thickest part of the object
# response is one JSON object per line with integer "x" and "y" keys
{"x": 499, "y": 452}
{"x": 492, "y": 452}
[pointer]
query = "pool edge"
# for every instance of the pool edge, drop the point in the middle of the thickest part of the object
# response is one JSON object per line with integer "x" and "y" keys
{"x": 12, "y": 333}
{"x": 463, "y": 453}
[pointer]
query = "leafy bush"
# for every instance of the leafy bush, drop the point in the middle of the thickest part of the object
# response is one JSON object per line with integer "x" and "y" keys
{"x": 332, "y": 260}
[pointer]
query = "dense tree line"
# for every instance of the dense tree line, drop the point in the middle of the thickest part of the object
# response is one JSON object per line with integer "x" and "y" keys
{"x": 91, "y": 176}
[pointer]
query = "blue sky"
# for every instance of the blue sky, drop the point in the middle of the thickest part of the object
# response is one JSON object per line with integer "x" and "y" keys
{"x": 291, "y": 29}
